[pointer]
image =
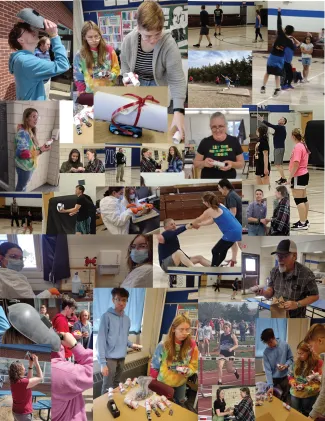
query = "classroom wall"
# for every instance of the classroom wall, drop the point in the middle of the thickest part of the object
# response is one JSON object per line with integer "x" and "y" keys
{"x": 232, "y": 395}
{"x": 32, "y": 200}
{"x": 318, "y": 111}
{"x": 197, "y": 126}
{"x": 68, "y": 183}
{"x": 228, "y": 9}
{"x": 47, "y": 163}
{"x": 52, "y": 10}
{"x": 304, "y": 16}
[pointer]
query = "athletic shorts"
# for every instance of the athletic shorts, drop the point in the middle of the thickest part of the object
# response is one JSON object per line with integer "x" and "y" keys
{"x": 234, "y": 289}
{"x": 275, "y": 65}
{"x": 300, "y": 182}
{"x": 306, "y": 61}
{"x": 204, "y": 30}
{"x": 278, "y": 156}
{"x": 166, "y": 263}
{"x": 218, "y": 21}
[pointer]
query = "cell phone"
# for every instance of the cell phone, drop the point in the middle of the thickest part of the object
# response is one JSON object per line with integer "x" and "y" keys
{"x": 29, "y": 355}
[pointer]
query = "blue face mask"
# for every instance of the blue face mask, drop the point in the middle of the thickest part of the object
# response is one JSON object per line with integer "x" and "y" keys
{"x": 139, "y": 256}
{"x": 120, "y": 197}
{"x": 16, "y": 265}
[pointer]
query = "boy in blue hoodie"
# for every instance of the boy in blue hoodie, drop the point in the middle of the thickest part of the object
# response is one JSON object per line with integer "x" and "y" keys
{"x": 277, "y": 358}
{"x": 29, "y": 71}
{"x": 112, "y": 340}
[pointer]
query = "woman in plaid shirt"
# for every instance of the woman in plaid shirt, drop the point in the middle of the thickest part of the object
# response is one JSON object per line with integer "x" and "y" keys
{"x": 244, "y": 411}
{"x": 280, "y": 222}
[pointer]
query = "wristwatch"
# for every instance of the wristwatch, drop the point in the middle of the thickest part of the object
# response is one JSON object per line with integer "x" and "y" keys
{"x": 298, "y": 304}
{"x": 180, "y": 110}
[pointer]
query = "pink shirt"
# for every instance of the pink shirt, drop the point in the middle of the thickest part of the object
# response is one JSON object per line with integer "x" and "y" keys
{"x": 301, "y": 155}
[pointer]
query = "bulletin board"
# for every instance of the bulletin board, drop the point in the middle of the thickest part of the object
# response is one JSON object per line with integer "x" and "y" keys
{"x": 115, "y": 25}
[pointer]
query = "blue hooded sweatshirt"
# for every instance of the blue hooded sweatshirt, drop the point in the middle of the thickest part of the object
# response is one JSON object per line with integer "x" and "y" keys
{"x": 30, "y": 71}
{"x": 281, "y": 354}
{"x": 112, "y": 339}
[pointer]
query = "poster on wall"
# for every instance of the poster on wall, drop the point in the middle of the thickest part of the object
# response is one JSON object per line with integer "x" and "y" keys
{"x": 178, "y": 21}
{"x": 110, "y": 25}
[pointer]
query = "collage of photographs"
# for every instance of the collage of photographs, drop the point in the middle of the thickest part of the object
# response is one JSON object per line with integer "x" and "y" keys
{"x": 143, "y": 144}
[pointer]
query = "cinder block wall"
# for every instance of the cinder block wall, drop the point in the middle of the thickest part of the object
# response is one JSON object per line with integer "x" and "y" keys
{"x": 48, "y": 163}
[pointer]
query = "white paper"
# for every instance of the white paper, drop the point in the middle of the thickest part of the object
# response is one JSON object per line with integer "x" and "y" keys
{"x": 152, "y": 117}
{"x": 109, "y": 3}
{"x": 120, "y": 2}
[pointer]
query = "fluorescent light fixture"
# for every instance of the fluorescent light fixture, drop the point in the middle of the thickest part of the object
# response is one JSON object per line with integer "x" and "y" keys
{"x": 239, "y": 112}
{"x": 190, "y": 112}
{"x": 318, "y": 252}
{"x": 206, "y": 112}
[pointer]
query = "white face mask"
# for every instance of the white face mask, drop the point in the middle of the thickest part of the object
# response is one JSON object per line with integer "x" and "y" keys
{"x": 16, "y": 265}
{"x": 132, "y": 196}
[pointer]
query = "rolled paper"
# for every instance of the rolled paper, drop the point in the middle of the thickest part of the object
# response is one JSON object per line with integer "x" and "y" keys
{"x": 122, "y": 390}
{"x": 161, "y": 406}
{"x": 134, "y": 382}
{"x": 219, "y": 164}
{"x": 177, "y": 138}
{"x": 130, "y": 402}
{"x": 131, "y": 79}
{"x": 127, "y": 382}
{"x": 152, "y": 116}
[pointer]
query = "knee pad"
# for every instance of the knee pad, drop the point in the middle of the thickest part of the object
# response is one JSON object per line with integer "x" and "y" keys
{"x": 300, "y": 200}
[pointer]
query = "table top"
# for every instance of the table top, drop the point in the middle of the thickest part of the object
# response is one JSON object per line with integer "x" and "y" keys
{"x": 318, "y": 304}
{"x": 34, "y": 393}
{"x": 277, "y": 410}
{"x": 101, "y": 412}
{"x": 178, "y": 270}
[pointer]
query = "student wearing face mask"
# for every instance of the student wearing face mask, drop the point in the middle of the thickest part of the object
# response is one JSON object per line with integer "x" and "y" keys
{"x": 12, "y": 283}
{"x": 139, "y": 262}
{"x": 130, "y": 197}
{"x": 116, "y": 217}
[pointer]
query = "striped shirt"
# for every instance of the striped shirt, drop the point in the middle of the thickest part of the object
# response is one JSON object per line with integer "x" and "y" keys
{"x": 294, "y": 286}
{"x": 143, "y": 65}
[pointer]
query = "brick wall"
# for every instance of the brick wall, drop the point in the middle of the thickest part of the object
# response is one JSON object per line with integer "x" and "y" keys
{"x": 48, "y": 163}
{"x": 52, "y": 10}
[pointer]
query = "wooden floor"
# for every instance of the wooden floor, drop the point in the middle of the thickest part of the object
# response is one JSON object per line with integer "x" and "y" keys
{"x": 131, "y": 177}
{"x": 207, "y": 294}
{"x": 5, "y": 227}
{"x": 311, "y": 93}
{"x": 232, "y": 38}
{"x": 315, "y": 194}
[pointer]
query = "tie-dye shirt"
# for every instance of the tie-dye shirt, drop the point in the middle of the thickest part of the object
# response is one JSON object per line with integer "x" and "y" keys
{"x": 165, "y": 371}
{"x": 86, "y": 80}
{"x": 311, "y": 388}
{"x": 26, "y": 154}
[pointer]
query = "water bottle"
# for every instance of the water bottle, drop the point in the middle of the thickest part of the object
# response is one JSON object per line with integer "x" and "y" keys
{"x": 76, "y": 284}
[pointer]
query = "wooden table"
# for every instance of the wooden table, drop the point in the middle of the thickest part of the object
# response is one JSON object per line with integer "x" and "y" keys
{"x": 101, "y": 411}
{"x": 87, "y": 136}
{"x": 275, "y": 410}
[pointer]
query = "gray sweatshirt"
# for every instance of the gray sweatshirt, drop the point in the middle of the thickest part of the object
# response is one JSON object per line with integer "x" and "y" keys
{"x": 166, "y": 64}
{"x": 319, "y": 406}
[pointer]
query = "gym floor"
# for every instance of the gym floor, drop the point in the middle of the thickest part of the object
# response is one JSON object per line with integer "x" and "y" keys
{"x": 311, "y": 93}
{"x": 232, "y": 38}
{"x": 6, "y": 228}
{"x": 131, "y": 177}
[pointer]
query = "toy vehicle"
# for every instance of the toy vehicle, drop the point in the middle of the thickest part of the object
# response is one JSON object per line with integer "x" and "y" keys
{"x": 133, "y": 131}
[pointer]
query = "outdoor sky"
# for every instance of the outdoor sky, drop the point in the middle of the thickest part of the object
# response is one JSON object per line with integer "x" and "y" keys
{"x": 204, "y": 58}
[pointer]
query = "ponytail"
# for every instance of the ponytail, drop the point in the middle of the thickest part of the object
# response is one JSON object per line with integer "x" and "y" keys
{"x": 212, "y": 199}
{"x": 297, "y": 135}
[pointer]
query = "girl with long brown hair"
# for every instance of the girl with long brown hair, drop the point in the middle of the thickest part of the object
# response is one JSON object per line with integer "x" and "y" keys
{"x": 299, "y": 178}
{"x": 227, "y": 223}
{"x": 177, "y": 352}
{"x": 262, "y": 157}
{"x": 139, "y": 262}
{"x": 175, "y": 162}
{"x": 27, "y": 148}
{"x": 304, "y": 391}
{"x": 96, "y": 64}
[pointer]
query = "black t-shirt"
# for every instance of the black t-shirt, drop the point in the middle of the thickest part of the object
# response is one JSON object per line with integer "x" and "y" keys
{"x": 204, "y": 17}
{"x": 233, "y": 200}
{"x": 218, "y": 14}
{"x": 120, "y": 158}
{"x": 219, "y": 151}
{"x": 84, "y": 211}
{"x": 282, "y": 41}
{"x": 221, "y": 405}
{"x": 262, "y": 146}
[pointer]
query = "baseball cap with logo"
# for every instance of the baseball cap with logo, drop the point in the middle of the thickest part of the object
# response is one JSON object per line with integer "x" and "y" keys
{"x": 285, "y": 246}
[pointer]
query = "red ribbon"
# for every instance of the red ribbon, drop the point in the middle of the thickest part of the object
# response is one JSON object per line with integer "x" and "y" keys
{"x": 141, "y": 102}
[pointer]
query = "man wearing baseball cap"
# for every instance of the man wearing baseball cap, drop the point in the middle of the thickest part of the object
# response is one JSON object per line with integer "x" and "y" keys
{"x": 291, "y": 280}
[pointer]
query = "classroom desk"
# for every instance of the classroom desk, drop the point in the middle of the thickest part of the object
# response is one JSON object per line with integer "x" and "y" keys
{"x": 145, "y": 225}
{"x": 101, "y": 412}
{"x": 275, "y": 411}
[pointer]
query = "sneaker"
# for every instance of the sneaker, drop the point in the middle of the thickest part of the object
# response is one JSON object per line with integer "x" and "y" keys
{"x": 196, "y": 45}
{"x": 298, "y": 226}
{"x": 283, "y": 181}
{"x": 209, "y": 46}
{"x": 262, "y": 90}
{"x": 279, "y": 181}
{"x": 276, "y": 92}
{"x": 302, "y": 81}
{"x": 291, "y": 87}
{"x": 308, "y": 223}
{"x": 284, "y": 87}
{"x": 215, "y": 34}
{"x": 122, "y": 181}
{"x": 236, "y": 374}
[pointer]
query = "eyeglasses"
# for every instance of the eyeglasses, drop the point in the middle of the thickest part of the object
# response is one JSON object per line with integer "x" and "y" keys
{"x": 148, "y": 37}
{"x": 14, "y": 256}
{"x": 95, "y": 38}
{"x": 184, "y": 330}
{"x": 142, "y": 246}
{"x": 215, "y": 128}
{"x": 121, "y": 300}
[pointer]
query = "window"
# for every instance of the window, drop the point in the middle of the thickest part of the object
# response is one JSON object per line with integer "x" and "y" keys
{"x": 279, "y": 327}
{"x": 63, "y": 31}
{"x": 32, "y": 251}
{"x": 233, "y": 128}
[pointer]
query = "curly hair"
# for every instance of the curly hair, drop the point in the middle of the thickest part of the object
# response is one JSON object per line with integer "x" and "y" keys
{"x": 262, "y": 133}
{"x": 304, "y": 368}
{"x": 176, "y": 154}
{"x": 15, "y": 371}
